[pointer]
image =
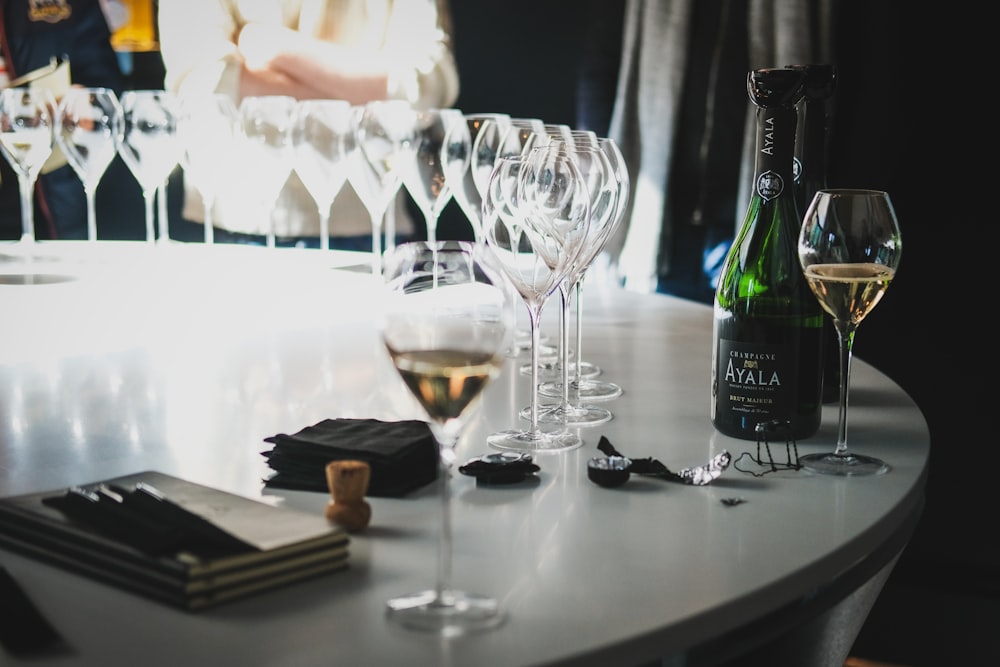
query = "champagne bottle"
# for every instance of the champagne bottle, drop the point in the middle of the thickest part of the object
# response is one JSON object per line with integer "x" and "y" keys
{"x": 767, "y": 331}
{"x": 811, "y": 139}
{"x": 811, "y": 131}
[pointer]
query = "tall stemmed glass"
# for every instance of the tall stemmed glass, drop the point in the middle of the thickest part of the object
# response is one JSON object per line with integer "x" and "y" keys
{"x": 208, "y": 131}
{"x": 444, "y": 325}
{"x": 849, "y": 248}
{"x": 535, "y": 216}
{"x": 602, "y": 191}
{"x": 321, "y": 154}
{"x": 268, "y": 156}
{"x": 423, "y": 173}
{"x": 517, "y": 137}
{"x": 150, "y": 147}
{"x": 383, "y": 134}
{"x": 27, "y": 131}
{"x": 585, "y": 386}
{"x": 460, "y": 173}
{"x": 487, "y": 142}
{"x": 91, "y": 126}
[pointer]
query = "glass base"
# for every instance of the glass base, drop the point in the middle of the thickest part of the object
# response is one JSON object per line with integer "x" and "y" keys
{"x": 844, "y": 465}
{"x": 551, "y": 370}
{"x": 587, "y": 390}
{"x": 453, "y": 614}
{"x": 569, "y": 415}
{"x": 534, "y": 442}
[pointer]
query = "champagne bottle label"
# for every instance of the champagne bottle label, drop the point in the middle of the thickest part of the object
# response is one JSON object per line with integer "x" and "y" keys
{"x": 758, "y": 381}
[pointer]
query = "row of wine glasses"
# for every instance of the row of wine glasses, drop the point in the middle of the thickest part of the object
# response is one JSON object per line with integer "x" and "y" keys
{"x": 90, "y": 126}
{"x": 495, "y": 137}
{"x": 536, "y": 213}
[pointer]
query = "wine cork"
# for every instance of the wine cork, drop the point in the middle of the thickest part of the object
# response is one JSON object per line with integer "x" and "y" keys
{"x": 348, "y": 484}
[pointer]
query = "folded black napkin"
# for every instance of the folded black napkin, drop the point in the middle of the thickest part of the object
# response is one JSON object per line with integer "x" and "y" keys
{"x": 403, "y": 455}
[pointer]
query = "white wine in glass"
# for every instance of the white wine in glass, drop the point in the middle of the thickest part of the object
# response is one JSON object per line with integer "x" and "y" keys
{"x": 444, "y": 325}
{"x": 849, "y": 248}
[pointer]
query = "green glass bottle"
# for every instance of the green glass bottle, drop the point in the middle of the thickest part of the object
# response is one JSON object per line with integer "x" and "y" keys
{"x": 767, "y": 332}
{"x": 811, "y": 139}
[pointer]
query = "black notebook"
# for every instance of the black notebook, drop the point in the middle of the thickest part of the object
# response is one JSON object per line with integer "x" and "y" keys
{"x": 183, "y": 543}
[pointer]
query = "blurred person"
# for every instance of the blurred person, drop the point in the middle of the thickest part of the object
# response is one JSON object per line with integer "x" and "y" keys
{"x": 354, "y": 50}
{"x": 77, "y": 31}
{"x": 667, "y": 80}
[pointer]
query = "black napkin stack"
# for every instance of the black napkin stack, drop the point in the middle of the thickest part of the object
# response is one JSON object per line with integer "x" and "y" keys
{"x": 403, "y": 455}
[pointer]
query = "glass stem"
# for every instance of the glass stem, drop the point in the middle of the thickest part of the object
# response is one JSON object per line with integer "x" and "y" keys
{"x": 536, "y": 341}
{"x": 377, "y": 243}
{"x": 564, "y": 295}
{"x": 272, "y": 235}
{"x": 431, "y": 223}
{"x": 149, "y": 196}
{"x": 91, "y": 214}
{"x": 845, "y": 337}
{"x": 444, "y": 542}
{"x": 26, "y": 185}
{"x": 209, "y": 221}
{"x": 324, "y": 228}
{"x": 161, "y": 199}
{"x": 578, "y": 379}
{"x": 390, "y": 225}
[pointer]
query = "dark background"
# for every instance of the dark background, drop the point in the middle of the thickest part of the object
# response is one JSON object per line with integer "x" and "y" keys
{"x": 913, "y": 118}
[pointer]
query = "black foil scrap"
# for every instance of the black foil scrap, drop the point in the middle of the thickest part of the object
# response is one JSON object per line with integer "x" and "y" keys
{"x": 650, "y": 467}
{"x": 500, "y": 468}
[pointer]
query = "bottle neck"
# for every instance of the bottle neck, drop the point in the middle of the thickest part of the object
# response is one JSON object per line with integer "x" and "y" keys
{"x": 814, "y": 133}
{"x": 775, "y": 152}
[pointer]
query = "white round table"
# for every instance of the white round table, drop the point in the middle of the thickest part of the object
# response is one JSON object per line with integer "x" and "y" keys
{"x": 120, "y": 357}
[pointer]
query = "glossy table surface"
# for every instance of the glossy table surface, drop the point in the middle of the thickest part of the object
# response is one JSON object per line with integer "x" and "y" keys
{"x": 121, "y": 357}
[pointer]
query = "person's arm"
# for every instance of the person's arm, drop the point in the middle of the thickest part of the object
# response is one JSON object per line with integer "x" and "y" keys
{"x": 278, "y": 59}
{"x": 411, "y": 60}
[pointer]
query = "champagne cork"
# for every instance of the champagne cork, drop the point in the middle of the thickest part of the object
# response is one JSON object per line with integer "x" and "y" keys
{"x": 348, "y": 484}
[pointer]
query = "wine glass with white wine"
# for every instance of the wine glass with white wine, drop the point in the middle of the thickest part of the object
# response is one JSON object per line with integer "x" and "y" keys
{"x": 849, "y": 248}
{"x": 444, "y": 324}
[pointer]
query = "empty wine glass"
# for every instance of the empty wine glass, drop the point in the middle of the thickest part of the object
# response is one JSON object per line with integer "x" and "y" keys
{"x": 444, "y": 325}
{"x": 486, "y": 145}
{"x": 150, "y": 147}
{"x": 585, "y": 386}
{"x": 460, "y": 172}
{"x": 535, "y": 215}
{"x": 849, "y": 248}
{"x": 321, "y": 154}
{"x": 208, "y": 133}
{"x": 27, "y": 133}
{"x": 91, "y": 126}
{"x": 383, "y": 134}
{"x": 601, "y": 187}
{"x": 423, "y": 172}
{"x": 265, "y": 124}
